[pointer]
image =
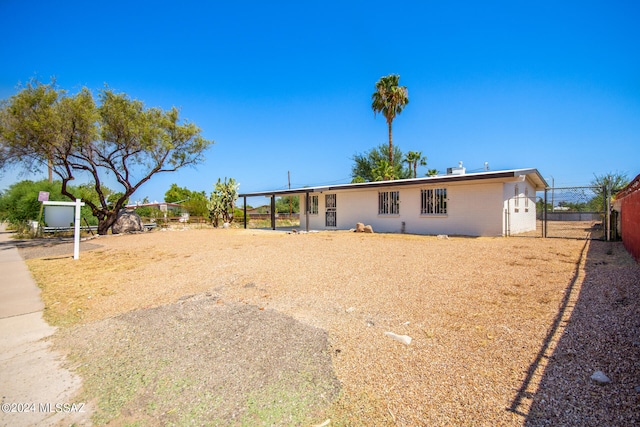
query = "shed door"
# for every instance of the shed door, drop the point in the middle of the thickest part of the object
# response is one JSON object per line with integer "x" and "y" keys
{"x": 330, "y": 210}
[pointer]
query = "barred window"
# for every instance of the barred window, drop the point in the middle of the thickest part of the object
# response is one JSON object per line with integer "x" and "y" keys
{"x": 313, "y": 205}
{"x": 433, "y": 201}
{"x": 516, "y": 195}
{"x": 388, "y": 203}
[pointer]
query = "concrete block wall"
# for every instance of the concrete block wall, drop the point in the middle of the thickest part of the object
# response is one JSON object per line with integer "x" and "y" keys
{"x": 628, "y": 202}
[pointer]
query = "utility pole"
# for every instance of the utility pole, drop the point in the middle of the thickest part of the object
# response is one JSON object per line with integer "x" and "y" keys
{"x": 553, "y": 186}
{"x": 290, "y": 201}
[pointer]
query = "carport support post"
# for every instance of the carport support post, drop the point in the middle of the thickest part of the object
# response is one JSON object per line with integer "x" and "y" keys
{"x": 306, "y": 209}
{"x": 245, "y": 211}
{"x": 273, "y": 211}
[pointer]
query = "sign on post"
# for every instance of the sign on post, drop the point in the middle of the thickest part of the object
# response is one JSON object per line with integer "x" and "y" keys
{"x": 43, "y": 196}
{"x": 76, "y": 229}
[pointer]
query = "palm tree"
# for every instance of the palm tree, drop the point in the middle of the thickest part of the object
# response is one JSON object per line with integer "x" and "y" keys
{"x": 415, "y": 159}
{"x": 389, "y": 99}
{"x": 432, "y": 172}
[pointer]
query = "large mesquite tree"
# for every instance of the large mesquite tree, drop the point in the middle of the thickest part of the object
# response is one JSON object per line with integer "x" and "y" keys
{"x": 43, "y": 126}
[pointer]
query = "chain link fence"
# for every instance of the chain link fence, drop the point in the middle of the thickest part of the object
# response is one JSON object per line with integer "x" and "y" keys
{"x": 573, "y": 213}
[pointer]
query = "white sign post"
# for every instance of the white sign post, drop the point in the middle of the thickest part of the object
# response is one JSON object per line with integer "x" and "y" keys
{"x": 76, "y": 231}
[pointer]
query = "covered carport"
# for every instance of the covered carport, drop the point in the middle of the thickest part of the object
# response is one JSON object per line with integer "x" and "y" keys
{"x": 272, "y": 195}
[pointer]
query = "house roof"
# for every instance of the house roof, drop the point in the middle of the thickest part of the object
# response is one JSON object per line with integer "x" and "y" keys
{"x": 154, "y": 205}
{"x": 533, "y": 175}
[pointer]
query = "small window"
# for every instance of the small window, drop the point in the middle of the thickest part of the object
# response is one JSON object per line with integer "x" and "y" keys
{"x": 313, "y": 205}
{"x": 433, "y": 201}
{"x": 388, "y": 203}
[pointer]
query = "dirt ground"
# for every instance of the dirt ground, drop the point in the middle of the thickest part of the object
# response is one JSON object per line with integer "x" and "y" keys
{"x": 247, "y": 327}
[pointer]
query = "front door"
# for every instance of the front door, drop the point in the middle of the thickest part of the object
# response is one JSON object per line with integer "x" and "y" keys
{"x": 330, "y": 210}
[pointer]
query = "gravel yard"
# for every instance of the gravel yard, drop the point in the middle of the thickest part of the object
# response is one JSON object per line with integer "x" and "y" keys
{"x": 505, "y": 331}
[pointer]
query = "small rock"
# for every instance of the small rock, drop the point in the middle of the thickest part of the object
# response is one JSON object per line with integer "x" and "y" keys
{"x": 368, "y": 229}
{"x": 443, "y": 237}
{"x": 404, "y": 339}
{"x": 600, "y": 378}
{"x": 370, "y": 323}
{"x": 359, "y": 227}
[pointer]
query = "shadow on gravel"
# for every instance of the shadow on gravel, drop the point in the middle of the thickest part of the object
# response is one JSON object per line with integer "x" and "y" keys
{"x": 45, "y": 247}
{"x": 600, "y": 331}
{"x": 202, "y": 361}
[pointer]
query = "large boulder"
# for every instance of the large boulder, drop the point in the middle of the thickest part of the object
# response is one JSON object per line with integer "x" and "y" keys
{"x": 359, "y": 227}
{"x": 127, "y": 222}
{"x": 368, "y": 229}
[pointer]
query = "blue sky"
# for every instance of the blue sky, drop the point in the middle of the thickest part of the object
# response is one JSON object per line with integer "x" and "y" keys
{"x": 286, "y": 85}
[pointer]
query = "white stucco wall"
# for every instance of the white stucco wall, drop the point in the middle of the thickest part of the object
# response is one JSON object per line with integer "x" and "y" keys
{"x": 474, "y": 209}
{"x": 521, "y": 216}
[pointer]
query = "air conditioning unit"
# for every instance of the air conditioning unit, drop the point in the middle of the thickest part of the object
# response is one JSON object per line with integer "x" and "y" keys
{"x": 456, "y": 170}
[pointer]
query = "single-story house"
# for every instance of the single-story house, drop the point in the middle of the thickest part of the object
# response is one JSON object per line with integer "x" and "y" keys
{"x": 489, "y": 203}
{"x": 162, "y": 206}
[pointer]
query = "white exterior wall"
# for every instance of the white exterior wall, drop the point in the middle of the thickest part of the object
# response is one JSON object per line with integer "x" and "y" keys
{"x": 476, "y": 209}
{"x": 522, "y": 215}
{"x": 473, "y": 209}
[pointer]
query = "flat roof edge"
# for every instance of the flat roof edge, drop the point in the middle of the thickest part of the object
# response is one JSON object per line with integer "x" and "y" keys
{"x": 402, "y": 182}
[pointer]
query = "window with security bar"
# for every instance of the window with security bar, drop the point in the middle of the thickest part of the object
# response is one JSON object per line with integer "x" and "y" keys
{"x": 433, "y": 201}
{"x": 388, "y": 203}
{"x": 313, "y": 205}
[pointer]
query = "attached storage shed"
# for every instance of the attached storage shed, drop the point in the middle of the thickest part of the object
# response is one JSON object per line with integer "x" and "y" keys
{"x": 496, "y": 203}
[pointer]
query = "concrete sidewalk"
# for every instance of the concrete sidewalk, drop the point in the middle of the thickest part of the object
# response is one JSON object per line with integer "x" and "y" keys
{"x": 34, "y": 387}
